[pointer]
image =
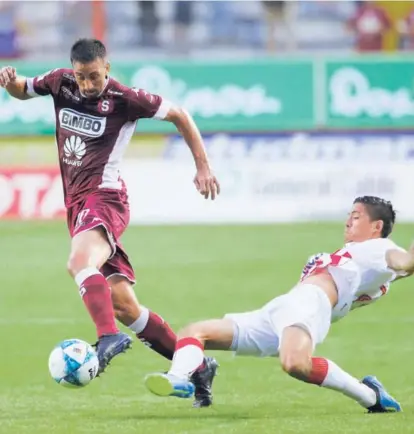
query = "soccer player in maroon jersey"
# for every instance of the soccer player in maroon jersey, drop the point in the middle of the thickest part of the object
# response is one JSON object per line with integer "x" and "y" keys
{"x": 96, "y": 117}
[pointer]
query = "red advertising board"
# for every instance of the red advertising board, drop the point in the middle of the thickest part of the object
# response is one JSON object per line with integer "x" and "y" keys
{"x": 31, "y": 193}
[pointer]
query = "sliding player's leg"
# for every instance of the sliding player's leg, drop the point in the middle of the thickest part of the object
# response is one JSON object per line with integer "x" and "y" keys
{"x": 247, "y": 333}
{"x": 296, "y": 358}
{"x": 189, "y": 358}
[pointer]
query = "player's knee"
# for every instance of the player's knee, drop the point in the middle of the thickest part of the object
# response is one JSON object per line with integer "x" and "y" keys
{"x": 296, "y": 365}
{"x": 89, "y": 249}
{"x": 76, "y": 262}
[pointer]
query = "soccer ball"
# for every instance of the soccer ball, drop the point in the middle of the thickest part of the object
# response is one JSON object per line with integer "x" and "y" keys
{"x": 73, "y": 363}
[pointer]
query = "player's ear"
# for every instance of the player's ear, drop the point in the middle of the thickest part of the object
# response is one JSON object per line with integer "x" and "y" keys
{"x": 107, "y": 69}
{"x": 378, "y": 225}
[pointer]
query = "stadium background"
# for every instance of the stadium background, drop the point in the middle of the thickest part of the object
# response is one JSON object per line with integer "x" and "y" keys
{"x": 296, "y": 125}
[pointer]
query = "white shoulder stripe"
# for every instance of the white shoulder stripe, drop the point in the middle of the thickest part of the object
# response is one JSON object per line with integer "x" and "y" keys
{"x": 30, "y": 87}
{"x": 163, "y": 109}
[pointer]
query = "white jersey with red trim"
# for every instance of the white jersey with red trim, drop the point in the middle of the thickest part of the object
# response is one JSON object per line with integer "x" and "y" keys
{"x": 360, "y": 272}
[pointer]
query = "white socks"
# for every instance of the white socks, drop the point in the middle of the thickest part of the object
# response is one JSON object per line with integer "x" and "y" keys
{"x": 188, "y": 356}
{"x": 339, "y": 380}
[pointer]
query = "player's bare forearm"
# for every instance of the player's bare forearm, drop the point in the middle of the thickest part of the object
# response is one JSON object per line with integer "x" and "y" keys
{"x": 409, "y": 265}
{"x": 205, "y": 182}
{"x": 401, "y": 261}
{"x": 191, "y": 134}
{"x": 15, "y": 85}
{"x": 17, "y": 88}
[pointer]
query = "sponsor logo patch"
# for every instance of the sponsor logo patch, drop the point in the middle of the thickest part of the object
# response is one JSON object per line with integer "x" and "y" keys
{"x": 82, "y": 123}
{"x": 74, "y": 150}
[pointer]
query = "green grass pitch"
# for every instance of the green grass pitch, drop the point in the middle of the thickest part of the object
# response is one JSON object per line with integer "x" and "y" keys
{"x": 186, "y": 274}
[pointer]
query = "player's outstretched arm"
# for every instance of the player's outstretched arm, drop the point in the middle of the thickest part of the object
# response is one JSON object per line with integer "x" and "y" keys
{"x": 15, "y": 85}
{"x": 398, "y": 260}
{"x": 204, "y": 180}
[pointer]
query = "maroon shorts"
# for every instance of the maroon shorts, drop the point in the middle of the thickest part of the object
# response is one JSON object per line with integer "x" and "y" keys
{"x": 108, "y": 209}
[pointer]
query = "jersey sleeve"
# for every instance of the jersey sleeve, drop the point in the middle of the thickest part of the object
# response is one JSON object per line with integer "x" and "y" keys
{"x": 310, "y": 264}
{"x": 321, "y": 261}
{"x": 393, "y": 246}
{"x": 45, "y": 84}
{"x": 142, "y": 104}
{"x": 377, "y": 252}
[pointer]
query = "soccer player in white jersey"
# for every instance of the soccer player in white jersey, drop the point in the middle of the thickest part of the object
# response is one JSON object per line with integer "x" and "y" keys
{"x": 291, "y": 325}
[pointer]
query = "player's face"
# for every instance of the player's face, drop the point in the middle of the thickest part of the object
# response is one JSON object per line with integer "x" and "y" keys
{"x": 91, "y": 76}
{"x": 359, "y": 226}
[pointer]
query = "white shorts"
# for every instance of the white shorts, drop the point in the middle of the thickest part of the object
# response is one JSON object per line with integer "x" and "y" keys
{"x": 259, "y": 332}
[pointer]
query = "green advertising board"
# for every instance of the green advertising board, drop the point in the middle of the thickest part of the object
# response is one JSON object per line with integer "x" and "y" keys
{"x": 376, "y": 93}
{"x": 252, "y": 96}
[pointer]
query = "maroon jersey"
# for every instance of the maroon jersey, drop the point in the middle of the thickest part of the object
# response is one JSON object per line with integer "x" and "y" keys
{"x": 92, "y": 134}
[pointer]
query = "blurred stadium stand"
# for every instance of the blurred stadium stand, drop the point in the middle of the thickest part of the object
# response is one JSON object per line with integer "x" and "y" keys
{"x": 45, "y": 29}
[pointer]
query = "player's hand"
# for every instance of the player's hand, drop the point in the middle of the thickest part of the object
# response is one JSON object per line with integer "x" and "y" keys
{"x": 206, "y": 183}
{"x": 7, "y": 75}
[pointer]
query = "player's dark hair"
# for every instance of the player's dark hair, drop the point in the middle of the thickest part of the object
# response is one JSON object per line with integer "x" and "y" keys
{"x": 379, "y": 209}
{"x": 87, "y": 50}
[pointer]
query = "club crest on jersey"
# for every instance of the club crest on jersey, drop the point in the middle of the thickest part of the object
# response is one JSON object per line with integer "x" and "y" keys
{"x": 82, "y": 123}
{"x": 106, "y": 106}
